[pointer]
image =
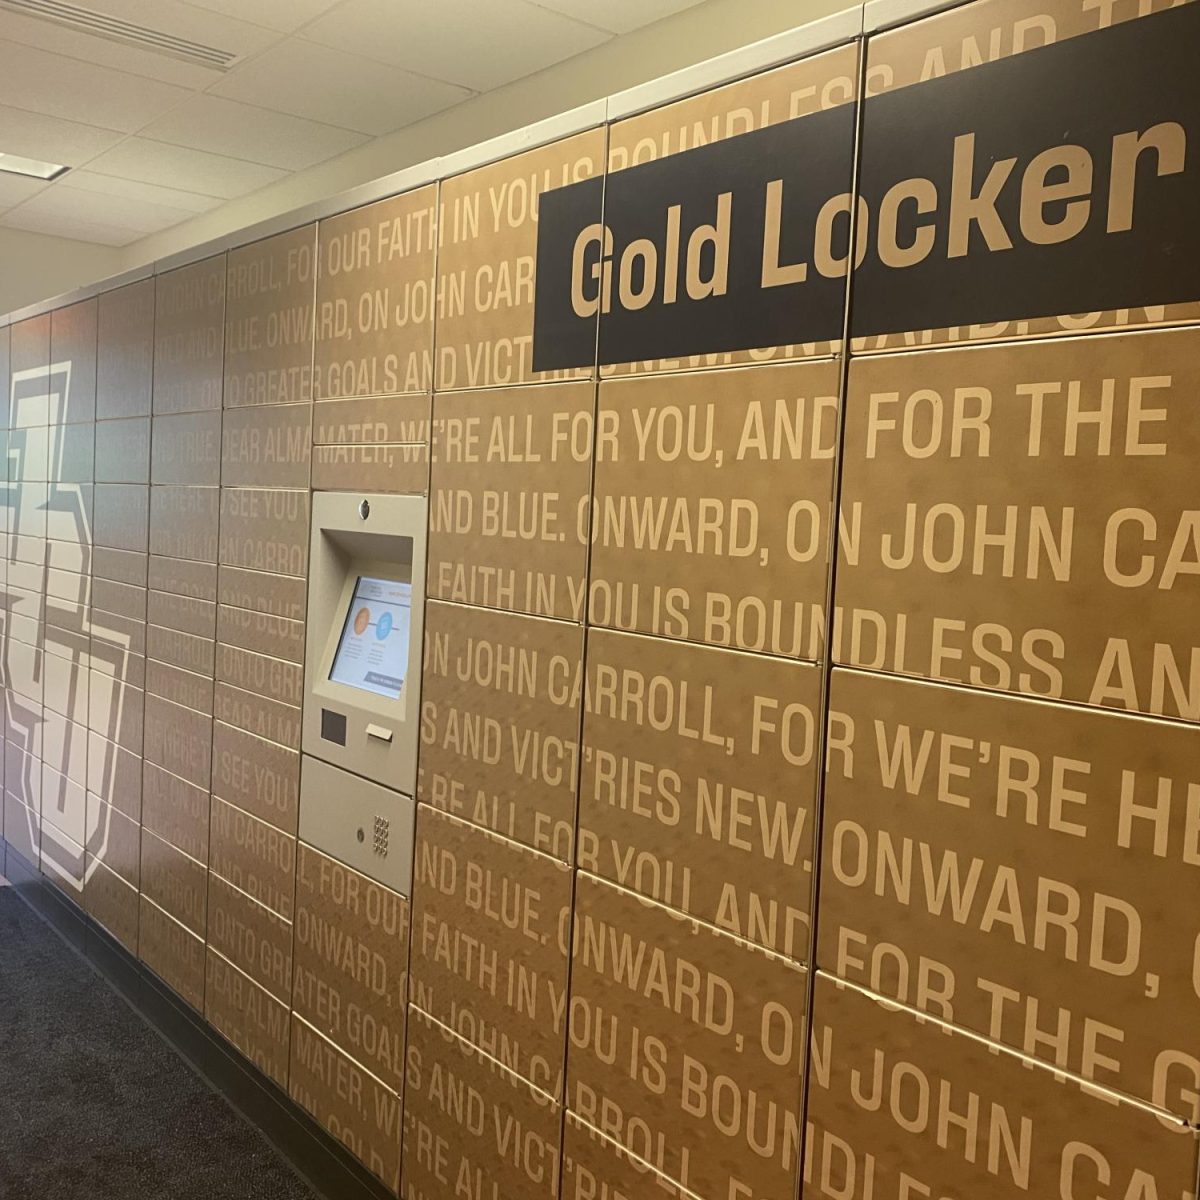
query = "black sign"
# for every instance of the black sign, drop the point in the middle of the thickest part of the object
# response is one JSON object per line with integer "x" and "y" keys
{"x": 1067, "y": 180}
{"x": 1060, "y": 180}
{"x": 707, "y": 250}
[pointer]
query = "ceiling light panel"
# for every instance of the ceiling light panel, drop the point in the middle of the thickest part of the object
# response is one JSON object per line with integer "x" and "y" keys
{"x": 32, "y": 168}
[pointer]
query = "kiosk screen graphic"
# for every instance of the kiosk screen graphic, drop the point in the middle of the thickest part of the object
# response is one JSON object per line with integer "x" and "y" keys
{"x": 373, "y": 652}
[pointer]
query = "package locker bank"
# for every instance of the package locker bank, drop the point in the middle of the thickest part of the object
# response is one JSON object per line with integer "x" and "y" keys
{"x": 678, "y": 678}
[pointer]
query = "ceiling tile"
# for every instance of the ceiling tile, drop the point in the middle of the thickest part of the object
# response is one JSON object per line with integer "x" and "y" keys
{"x": 14, "y": 189}
{"x": 480, "y": 44}
{"x": 110, "y": 185}
{"x": 189, "y": 170}
{"x": 619, "y": 16}
{"x": 256, "y": 134}
{"x": 50, "y": 139}
{"x": 115, "y": 212}
{"x": 69, "y": 227}
{"x": 286, "y": 15}
{"x": 162, "y": 16}
{"x": 79, "y": 91}
{"x": 327, "y": 85}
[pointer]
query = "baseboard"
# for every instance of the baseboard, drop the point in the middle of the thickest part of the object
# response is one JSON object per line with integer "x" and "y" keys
{"x": 322, "y": 1161}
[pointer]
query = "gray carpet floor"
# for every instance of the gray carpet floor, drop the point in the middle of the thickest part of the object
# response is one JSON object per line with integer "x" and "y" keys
{"x": 93, "y": 1104}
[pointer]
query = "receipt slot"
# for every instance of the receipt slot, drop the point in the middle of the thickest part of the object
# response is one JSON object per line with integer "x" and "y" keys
{"x": 366, "y": 604}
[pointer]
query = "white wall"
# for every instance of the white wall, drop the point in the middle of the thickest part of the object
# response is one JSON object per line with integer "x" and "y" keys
{"x": 34, "y": 266}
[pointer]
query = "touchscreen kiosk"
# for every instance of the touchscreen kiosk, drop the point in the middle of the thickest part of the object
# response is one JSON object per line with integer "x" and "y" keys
{"x": 366, "y": 602}
{"x": 376, "y": 635}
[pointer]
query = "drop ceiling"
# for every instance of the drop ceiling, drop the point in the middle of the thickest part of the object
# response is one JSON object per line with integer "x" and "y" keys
{"x": 125, "y": 93}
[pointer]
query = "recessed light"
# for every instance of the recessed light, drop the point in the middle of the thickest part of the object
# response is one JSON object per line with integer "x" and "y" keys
{"x": 14, "y": 164}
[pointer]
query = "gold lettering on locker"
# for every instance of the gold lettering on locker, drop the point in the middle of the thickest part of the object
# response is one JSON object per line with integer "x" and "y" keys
{"x": 504, "y": 1136}
{"x": 371, "y": 421}
{"x": 797, "y": 90}
{"x": 711, "y": 516}
{"x": 196, "y": 580}
{"x": 248, "y": 1015}
{"x": 118, "y": 598}
{"x": 181, "y": 611}
{"x": 172, "y": 952}
{"x": 262, "y": 675}
{"x": 183, "y": 650}
{"x": 490, "y": 929}
{"x": 358, "y": 1109}
{"x": 185, "y": 501}
{"x": 189, "y": 338}
{"x": 594, "y": 1166}
{"x": 181, "y": 687}
{"x": 179, "y": 738}
{"x": 351, "y": 963}
{"x": 372, "y": 443}
{"x": 900, "y": 1107}
{"x": 261, "y": 632}
{"x": 183, "y": 547}
{"x": 487, "y": 239}
{"x": 255, "y": 775}
{"x": 699, "y": 775}
{"x": 175, "y": 810}
{"x": 256, "y": 714}
{"x": 176, "y": 883}
{"x": 371, "y": 468}
{"x": 252, "y": 937}
{"x": 500, "y": 723}
{"x": 974, "y": 842}
{"x": 266, "y": 447}
{"x": 125, "y": 351}
{"x": 255, "y": 857}
{"x": 247, "y": 588}
{"x": 195, "y": 616}
{"x": 187, "y": 449}
{"x": 508, "y": 502}
{"x": 116, "y": 709}
{"x": 123, "y": 566}
{"x": 1011, "y": 514}
{"x": 265, "y": 530}
{"x": 376, "y": 298}
{"x": 269, "y": 320}
{"x": 122, "y": 515}
{"x": 686, "y": 1045}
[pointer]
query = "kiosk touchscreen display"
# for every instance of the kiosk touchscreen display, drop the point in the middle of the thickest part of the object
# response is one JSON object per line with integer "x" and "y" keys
{"x": 373, "y": 652}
